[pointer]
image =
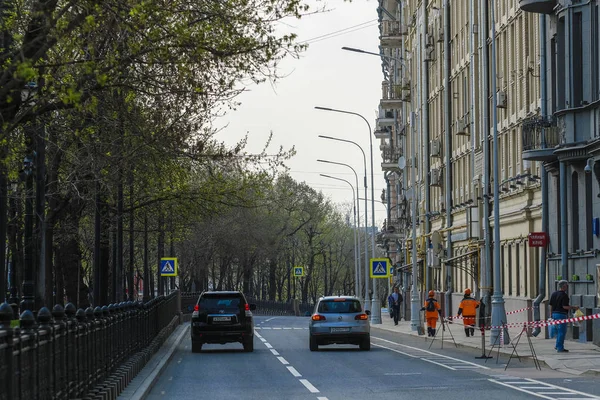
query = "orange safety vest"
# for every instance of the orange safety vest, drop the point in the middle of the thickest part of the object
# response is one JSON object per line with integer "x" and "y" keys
{"x": 431, "y": 314}
{"x": 468, "y": 306}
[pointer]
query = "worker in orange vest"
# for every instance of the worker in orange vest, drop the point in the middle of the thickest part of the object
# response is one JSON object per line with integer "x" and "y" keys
{"x": 432, "y": 311}
{"x": 467, "y": 308}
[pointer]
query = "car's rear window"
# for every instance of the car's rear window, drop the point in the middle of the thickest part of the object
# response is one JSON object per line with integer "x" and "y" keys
{"x": 226, "y": 303}
{"x": 339, "y": 306}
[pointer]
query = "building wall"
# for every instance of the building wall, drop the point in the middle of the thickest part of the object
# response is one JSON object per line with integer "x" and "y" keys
{"x": 517, "y": 44}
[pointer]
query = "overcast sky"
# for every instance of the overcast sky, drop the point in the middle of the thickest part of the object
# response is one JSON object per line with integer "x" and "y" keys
{"x": 327, "y": 76}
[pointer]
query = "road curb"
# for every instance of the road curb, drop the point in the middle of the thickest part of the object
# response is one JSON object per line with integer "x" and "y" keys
{"x": 150, "y": 380}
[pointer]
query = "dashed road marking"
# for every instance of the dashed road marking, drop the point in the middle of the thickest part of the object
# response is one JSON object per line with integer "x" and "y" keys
{"x": 279, "y": 328}
{"x": 541, "y": 389}
{"x": 309, "y": 386}
{"x": 292, "y": 370}
{"x": 283, "y": 360}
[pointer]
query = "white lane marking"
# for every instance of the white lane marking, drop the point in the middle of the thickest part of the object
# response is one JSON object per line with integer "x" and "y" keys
{"x": 170, "y": 378}
{"x": 309, "y": 386}
{"x": 523, "y": 386}
{"x": 287, "y": 328}
{"x": 431, "y": 356}
{"x": 292, "y": 370}
{"x": 283, "y": 360}
{"x": 401, "y": 373}
{"x": 270, "y": 319}
{"x": 300, "y": 328}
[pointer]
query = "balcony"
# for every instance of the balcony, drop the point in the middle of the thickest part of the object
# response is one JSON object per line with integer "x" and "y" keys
{"x": 392, "y": 96}
{"x": 538, "y": 6}
{"x": 540, "y": 137}
{"x": 392, "y": 33}
{"x": 382, "y": 133}
{"x": 390, "y": 155}
{"x": 394, "y": 229}
{"x": 386, "y": 118}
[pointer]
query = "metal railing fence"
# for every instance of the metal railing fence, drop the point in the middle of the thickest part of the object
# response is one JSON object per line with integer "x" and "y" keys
{"x": 63, "y": 354}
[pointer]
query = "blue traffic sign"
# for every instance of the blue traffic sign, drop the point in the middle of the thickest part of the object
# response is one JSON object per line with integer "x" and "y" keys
{"x": 380, "y": 267}
{"x": 168, "y": 267}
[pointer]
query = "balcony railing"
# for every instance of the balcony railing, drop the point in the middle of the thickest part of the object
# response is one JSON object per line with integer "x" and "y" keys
{"x": 392, "y": 96}
{"x": 391, "y": 33}
{"x": 540, "y": 136}
{"x": 390, "y": 156}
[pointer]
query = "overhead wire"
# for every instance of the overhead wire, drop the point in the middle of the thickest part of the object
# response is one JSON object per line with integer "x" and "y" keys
{"x": 344, "y": 31}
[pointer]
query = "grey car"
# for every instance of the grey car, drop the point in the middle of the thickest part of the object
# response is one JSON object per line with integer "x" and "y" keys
{"x": 339, "y": 320}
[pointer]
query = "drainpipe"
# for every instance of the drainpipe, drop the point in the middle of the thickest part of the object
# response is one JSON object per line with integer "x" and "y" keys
{"x": 448, "y": 154}
{"x": 544, "y": 178}
{"x": 426, "y": 165}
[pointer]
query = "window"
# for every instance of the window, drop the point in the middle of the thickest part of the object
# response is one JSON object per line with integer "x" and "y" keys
{"x": 589, "y": 236}
{"x": 595, "y": 67}
{"x": 577, "y": 60}
{"x": 575, "y": 211}
{"x": 339, "y": 306}
{"x": 560, "y": 66}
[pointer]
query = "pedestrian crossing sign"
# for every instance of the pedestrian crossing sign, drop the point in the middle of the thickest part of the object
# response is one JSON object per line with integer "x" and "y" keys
{"x": 299, "y": 271}
{"x": 380, "y": 267}
{"x": 168, "y": 267}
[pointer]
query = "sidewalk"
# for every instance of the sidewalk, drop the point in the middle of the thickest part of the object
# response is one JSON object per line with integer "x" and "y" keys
{"x": 582, "y": 358}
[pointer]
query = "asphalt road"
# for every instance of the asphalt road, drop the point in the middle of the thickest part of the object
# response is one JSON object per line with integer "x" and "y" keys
{"x": 397, "y": 367}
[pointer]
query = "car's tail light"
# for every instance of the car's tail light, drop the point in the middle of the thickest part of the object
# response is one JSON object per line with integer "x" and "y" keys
{"x": 362, "y": 317}
{"x": 247, "y": 307}
{"x": 196, "y": 307}
{"x": 318, "y": 317}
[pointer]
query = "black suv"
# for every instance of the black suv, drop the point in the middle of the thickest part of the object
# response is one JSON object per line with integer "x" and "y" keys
{"x": 222, "y": 317}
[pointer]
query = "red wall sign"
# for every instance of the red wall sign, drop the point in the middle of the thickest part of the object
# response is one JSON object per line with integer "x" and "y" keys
{"x": 538, "y": 239}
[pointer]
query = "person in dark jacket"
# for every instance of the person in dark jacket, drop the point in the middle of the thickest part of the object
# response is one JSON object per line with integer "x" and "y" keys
{"x": 559, "y": 302}
{"x": 396, "y": 301}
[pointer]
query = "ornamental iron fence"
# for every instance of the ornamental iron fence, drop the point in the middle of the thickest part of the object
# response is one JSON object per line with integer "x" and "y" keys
{"x": 65, "y": 353}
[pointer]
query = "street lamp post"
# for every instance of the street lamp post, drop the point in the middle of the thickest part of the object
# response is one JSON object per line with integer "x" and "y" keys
{"x": 375, "y": 305}
{"x": 498, "y": 311}
{"x": 356, "y": 222}
{"x": 367, "y": 305}
{"x": 356, "y": 248}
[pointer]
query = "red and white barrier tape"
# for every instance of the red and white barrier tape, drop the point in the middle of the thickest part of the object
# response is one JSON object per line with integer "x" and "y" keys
{"x": 547, "y": 322}
{"x": 520, "y": 310}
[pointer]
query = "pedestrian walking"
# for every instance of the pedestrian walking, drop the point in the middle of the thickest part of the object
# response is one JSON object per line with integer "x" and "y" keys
{"x": 396, "y": 301}
{"x": 432, "y": 312}
{"x": 559, "y": 303}
{"x": 390, "y": 300}
{"x": 467, "y": 308}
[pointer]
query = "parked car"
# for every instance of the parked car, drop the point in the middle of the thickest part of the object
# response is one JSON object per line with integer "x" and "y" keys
{"x": 339, "y": 320}
{"x": 222, "y": 317}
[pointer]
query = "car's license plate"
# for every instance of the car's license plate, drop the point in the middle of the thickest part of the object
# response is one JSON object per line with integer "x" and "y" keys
{"x": 221, "y": 319}
{"x": 340, "y": 330}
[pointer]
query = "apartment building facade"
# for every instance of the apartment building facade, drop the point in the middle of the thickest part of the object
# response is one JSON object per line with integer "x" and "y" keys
{"x": 446, "y": 94}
